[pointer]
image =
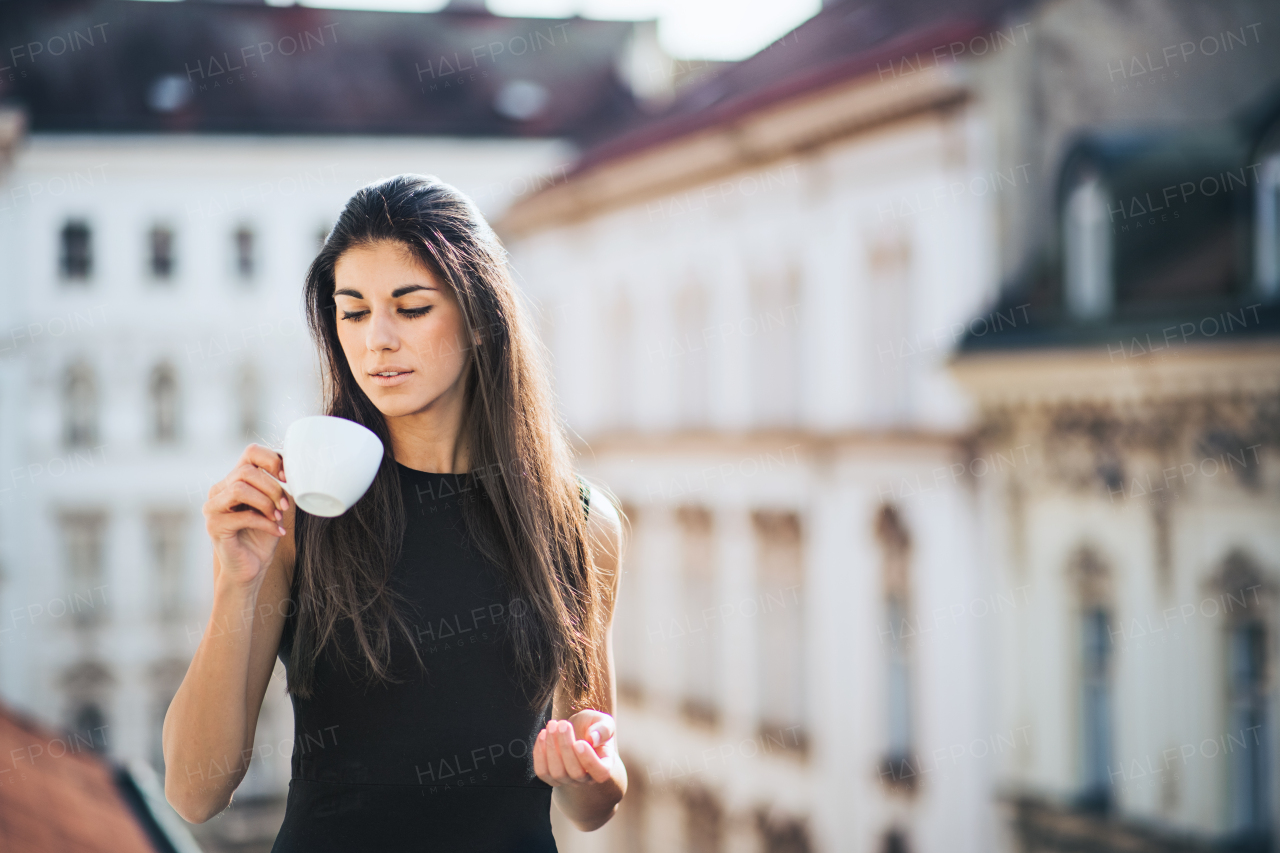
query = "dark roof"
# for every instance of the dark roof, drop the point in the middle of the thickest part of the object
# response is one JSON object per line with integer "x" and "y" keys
{"x": 1191, "y": 263}
{"x": 845, "y": 39}
{"x": 242, "y": 68}
{"x": 57, "y": 794}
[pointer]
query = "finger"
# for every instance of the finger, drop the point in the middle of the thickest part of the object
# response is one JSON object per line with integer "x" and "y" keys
{"x": 261, "y": 480}
{"x": 240, "y": 492}
{"x": 600, "y": 731}
{"x": 569, "y": 755}
{"x": 540, "y": 757}
{"x": 591, "y": 762}
{"x": 555, "y": 763}
{"x": 228, "y": 525}
{"x": 265, "y": 458}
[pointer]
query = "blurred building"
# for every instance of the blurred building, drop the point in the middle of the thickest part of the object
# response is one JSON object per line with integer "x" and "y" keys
{"x": 858, "y": 613}
{"x": 182, "y": 164}
{"x": 1146, "y": 522}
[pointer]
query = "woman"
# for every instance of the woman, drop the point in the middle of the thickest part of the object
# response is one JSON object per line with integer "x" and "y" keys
{"x": 447, "y": 640}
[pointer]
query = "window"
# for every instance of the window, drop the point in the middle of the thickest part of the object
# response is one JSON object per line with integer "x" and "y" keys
{"x": 249, "y": 400}
{"x": 1267, "y": 238}
{"x": 1095, "y": 707}
{"x": 894, "y": 842}
{"x": 1087, "y": 251}
{"x": 90, "y": 725}
{"x": 781, "y": 629}
{"x": 166, "y": 531}
{"x": 633, "y": 813}
{"x": 888, "y": 315}
{"x": 698, "y": 576}
{"x": 82, "y": 538}
{"x": 164, "y": 405}
{"x": 245, "y": 245}
{"x": 1247, "y": 727}
{"x": 703, "y": 821}
{"x": 76, "y": 262}
{"x": 159, "y": 708}
{"x": 692, "y": 361}
{"x": 898, "y": 769}
{"x": 1093, "y": 583}
{"x": 782, "y": 835}
{"x": 79, "y": 406}
{"x": 772, "y": 331}
{"x": 620, "y": 385}
{"x": 161, "y": 252}
{"x": 629, "y": 629}
{"x": 1248, "y": 742}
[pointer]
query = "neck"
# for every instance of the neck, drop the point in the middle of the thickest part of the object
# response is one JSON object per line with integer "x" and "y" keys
{"x": 431, "y": 439}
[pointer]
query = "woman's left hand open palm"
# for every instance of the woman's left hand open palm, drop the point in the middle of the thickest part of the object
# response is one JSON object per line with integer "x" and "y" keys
{"x": 577, "y": 751}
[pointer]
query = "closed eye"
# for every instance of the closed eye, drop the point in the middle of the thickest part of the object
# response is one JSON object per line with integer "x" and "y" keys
{"x": 357, "y": 316}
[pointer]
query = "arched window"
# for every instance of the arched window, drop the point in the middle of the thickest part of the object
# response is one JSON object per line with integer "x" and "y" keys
{"x": 898, "y": 769}
{"x": 1248, "y": 603}
{"x": 1095, "y": 667}
{"x": 79, "y": 406}
{"x": 76, "y": 259}
{"x": 164, "y": 404}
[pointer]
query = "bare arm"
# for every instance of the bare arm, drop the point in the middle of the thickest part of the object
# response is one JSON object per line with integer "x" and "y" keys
{"x": 209, "y": 728}
{"x": 589, "y": 778}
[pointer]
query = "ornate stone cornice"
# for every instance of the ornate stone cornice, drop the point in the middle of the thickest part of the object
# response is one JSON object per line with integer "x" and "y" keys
{"x": 1116, "y": 376}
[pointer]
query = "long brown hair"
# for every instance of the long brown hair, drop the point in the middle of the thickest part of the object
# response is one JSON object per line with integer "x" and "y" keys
{"x": 530, "y": 519}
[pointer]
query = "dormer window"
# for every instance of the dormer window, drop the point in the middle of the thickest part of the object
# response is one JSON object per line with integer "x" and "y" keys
{"x": 1267, "y": 224}
{"x": 1087, "y": 250}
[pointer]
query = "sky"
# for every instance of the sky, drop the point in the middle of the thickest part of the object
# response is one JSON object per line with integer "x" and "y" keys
{"x": 687, "y": 29}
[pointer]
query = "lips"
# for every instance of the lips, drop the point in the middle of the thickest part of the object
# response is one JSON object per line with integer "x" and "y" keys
{"x": 390, "y": 375}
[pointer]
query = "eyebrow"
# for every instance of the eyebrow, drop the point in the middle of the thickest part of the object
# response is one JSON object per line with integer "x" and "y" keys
{"x": 395, "y": 294}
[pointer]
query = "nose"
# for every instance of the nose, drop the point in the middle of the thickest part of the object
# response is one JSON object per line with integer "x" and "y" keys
{"x": 381, "y": 334}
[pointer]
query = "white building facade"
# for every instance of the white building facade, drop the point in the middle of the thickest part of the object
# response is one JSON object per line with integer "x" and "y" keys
{"x": 155, "y": 329}
{"x": 753, "y": 359}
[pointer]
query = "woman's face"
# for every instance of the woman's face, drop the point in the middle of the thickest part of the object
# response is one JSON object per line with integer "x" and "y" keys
{"x": 400, "y": 328}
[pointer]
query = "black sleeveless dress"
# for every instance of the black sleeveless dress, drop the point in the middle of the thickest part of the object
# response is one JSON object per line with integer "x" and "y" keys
{"x": 442, "y": 761}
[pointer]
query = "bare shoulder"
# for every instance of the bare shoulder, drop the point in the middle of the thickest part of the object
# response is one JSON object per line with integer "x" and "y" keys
{"x": 604, "y": 528}
{"x": 604, "y": 523}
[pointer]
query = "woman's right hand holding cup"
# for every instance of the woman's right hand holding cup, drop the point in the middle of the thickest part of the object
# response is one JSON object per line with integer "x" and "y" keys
{"x": 245, "y": 517}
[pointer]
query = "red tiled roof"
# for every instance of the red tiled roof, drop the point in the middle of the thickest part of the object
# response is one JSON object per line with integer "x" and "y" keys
{"x": 846, "y": 39}
{"x": 56, "y": 794}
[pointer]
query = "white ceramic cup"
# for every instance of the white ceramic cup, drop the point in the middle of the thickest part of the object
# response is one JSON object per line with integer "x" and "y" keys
{"x": 330, "y": 463}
